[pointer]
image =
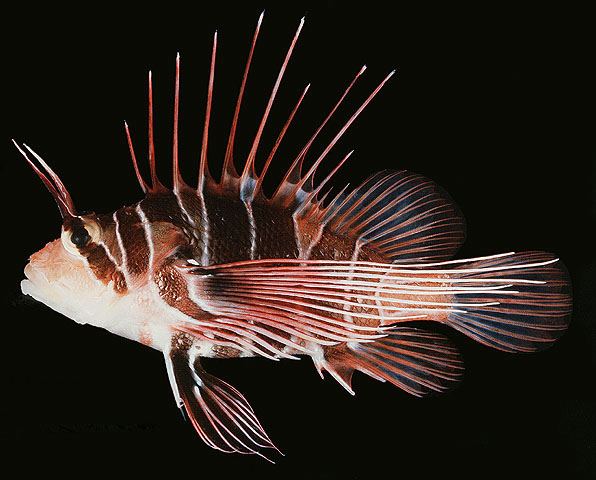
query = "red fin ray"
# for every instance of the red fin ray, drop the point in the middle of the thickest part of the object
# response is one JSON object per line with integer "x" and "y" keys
{"x": 249, "y": 166}
{"x": 229, "y": 169}
{"x": 414, "y": 360}
{"x": 289, "y": 185}
{"x": 295, "y": 185}
{"x": 218, "y": 412}
{"x": 204, "y": 175}
{"x": 156, "y": 185}
{"x": 401, "y": 215}
{"x": 177, "y": 181}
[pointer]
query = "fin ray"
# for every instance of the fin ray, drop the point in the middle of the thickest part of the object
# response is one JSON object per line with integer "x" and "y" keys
{"x": 531, "y": 318}
{"x": 417, "y": 361}
{"x": 401, "y": 215}
{"x": 218, "y": 412}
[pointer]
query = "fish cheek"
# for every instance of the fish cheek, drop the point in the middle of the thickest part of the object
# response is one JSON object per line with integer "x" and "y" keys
{"x": 104, "y": 268}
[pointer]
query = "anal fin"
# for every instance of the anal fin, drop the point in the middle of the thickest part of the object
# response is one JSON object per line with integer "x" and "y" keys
{"x": 219, "y": 413}
{"x": 417, "y": 361}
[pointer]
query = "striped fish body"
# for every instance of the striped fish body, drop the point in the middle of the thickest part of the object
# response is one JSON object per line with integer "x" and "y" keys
{"x": 223, "y": 270}
{"x": 145, "y": 244}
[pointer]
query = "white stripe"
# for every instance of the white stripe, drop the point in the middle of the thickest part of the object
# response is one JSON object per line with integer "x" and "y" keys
{"x": 354, "y": 259}
{"x": 193, "y": 232}
{"x": 109, "y": 255}
{"x": 305, "y": 252}
{"x": 377, "y": 295}
{"x": 205, "y": 226}
{"x": 253, "y": 229}
{"x": 183, "y": 209}
{"x": 123, "y": 267}
{"x": 148, "y": 237}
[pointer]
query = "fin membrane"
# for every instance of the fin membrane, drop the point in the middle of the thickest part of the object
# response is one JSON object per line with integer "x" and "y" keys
{"x": 219, "y": 413}
{"x": 529, "y": 315}
{"x": 417, "y": 361}
{"x": 402, "y": 215}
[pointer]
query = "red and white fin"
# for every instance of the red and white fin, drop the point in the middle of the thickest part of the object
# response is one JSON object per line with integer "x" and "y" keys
{"x": 513, "y": 302}
{"x": 417, "y": 361}
{"x": 218, "y": 412}
{"x": 295, "y": 187}
{"x": 530, "y": 314}
{"x": 399, "y": 214}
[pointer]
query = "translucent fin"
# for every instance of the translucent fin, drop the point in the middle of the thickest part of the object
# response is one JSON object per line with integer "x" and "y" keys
{"x": 401, "y": 215}
{"x": 219, "y": 413}
{"x": 414, "y": 360}
{"x": 531, "y": 316}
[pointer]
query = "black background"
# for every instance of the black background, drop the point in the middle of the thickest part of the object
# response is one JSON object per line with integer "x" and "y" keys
{"x": 495, "y": 104}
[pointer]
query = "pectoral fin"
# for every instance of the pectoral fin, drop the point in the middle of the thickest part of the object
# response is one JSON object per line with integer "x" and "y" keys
{"x": 218, "y": 412}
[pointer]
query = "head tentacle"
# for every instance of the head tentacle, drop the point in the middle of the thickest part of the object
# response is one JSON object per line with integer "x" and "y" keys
{"x": 55, "y": 186}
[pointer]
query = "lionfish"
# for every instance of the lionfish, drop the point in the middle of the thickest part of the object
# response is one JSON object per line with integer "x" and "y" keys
{"x": 225, "y": 270}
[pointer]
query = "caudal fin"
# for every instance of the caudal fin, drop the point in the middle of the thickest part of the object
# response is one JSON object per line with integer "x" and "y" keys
{"x": 530, "y": 314}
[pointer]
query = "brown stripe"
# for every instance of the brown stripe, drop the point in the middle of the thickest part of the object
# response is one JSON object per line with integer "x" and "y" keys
{"x": 134, "y": 242}
{"x": 108, "y": 228}
{"x": 103, "y": 268}
{"x": 229, "y": 229}
{"x": 275, "y": 233}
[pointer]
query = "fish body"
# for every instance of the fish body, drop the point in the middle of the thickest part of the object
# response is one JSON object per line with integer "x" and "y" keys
{"x": 223, "y": 270}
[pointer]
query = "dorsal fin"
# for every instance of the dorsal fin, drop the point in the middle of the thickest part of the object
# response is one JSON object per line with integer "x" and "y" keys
{"x": 156, "y": 185}
{"x": 296, "y": 191}
{"x": 294, "y": 172}
{"x": 249, "y": 175}
{"x": 401, "y": 215}
{"x": 228, "y": 171}
{"x": 177, "y": 180}
{"x": 204, "y": 175}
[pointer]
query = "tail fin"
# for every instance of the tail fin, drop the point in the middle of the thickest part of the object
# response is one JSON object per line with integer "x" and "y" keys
{"x": 528, "y": 316}
{"x": 414, "y": 360}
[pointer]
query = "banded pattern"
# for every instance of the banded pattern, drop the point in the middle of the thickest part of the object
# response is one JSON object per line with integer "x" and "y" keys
{"x": 304, "y": 271}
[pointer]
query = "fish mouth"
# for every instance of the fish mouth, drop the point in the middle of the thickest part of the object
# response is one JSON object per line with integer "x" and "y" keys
{"x": 34, "y": 283}
{"x": 37, "y": 285}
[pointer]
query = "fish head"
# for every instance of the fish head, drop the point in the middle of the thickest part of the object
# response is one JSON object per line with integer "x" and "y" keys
{"x": 76, "y": 274}
{"x": 115, "y": 271}
{"x": 82, "y": 274}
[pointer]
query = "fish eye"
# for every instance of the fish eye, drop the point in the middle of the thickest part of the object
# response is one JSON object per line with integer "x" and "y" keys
{"x": 80, "y": 237}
